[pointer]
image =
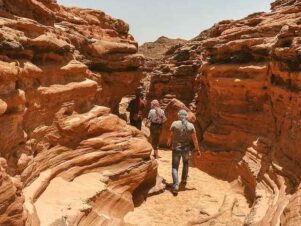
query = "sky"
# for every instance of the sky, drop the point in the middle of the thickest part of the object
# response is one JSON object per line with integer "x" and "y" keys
{"x": 150, "y": 19}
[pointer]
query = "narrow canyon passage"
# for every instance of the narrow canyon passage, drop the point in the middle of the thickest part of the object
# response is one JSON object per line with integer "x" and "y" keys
{"x": 68, "y": 155}
{"x": 205, "y": 197}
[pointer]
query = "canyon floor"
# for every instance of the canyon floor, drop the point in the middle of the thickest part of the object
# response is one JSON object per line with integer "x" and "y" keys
{"x": 205, "y": 201}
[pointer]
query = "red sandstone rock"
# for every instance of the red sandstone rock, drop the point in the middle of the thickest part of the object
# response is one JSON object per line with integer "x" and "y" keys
{"x": 170, "y": 70}
{"x": 247, "y": 107}
{"x": 57, "y": 65}
{"x": 247, "y": 104}
{"x": 76, "y": 160}
{"x": 11, "y": 199}
{"x": 94, "y": 155}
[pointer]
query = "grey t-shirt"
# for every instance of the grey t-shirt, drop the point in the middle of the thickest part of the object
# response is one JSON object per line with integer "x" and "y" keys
{"x": 181, "y": 135}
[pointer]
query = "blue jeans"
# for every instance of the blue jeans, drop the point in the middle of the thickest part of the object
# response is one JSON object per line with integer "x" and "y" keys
{"x": 176, "y": 157}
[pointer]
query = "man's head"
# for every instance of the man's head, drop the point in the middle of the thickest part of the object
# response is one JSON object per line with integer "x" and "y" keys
{"x": 139, "y": 92}
{"x": 182, "y": 114}
{"x": 155, "y": 104}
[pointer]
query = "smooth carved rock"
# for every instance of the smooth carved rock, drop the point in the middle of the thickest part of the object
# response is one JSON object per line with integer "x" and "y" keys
{"x": 59, "y": 67}
{"x": 94, "y": 154}
{"x": 11, "y": 199}
{"x": 246, "y": 91}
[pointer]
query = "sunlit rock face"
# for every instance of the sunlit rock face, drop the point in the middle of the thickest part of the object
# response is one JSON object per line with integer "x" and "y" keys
{"x": 69, "y": 161}
{"x": 11, "y": 205}
{"x": 170, "y": 70}
{"x": 79, "y": 164}
{"x": 242, "y": 80}
{"x": 158, "y": 49}
{"x": 248, "y": 108}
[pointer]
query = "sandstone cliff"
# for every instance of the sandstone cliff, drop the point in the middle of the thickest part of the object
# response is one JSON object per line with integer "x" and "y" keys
{"x": 11, "y": 205}
{"x": 246, "y": 79}
{"x": 67, "y": 160}
{"x": 173, "y": 75}
{"x": 58, "y": 68}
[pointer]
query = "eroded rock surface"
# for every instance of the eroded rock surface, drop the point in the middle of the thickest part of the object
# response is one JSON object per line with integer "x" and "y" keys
{"x": 245, "y": 75}
{"x": 173, "y": 76}
{"x": 77, "y": 161}
{"x": 11, "y": 198}
{"x": 250, "y": 89}
{"x": 97, "y": 158}
{"x": 59, "y": 65}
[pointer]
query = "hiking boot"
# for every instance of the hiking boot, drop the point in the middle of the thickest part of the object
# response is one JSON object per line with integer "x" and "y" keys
{"x": 175, "y": 191}
{"x": 183, "y": 184}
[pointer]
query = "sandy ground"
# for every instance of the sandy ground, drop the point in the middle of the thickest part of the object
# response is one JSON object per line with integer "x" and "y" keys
{"x": 206, "y": 201}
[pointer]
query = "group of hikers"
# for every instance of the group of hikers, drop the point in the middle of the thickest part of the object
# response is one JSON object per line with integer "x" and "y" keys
{"x": 182, "y": 134}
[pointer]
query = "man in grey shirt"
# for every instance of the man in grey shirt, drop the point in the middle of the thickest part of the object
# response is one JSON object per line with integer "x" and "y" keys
{"x": 182, "y": 133}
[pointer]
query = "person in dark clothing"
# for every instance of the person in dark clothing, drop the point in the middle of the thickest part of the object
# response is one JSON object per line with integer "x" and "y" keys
{"x": 136, "y": 108}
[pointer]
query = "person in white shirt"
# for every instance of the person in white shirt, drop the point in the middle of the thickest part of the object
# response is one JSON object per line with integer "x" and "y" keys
{"x": 156, "y": 118}
{"x": 182, "y": 135}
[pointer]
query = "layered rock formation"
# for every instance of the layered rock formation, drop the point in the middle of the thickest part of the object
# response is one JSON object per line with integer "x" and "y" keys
{"x": 97, "y": 158}
{"x": 247, "y": 103}
{"x": 59, "y": 65}
{"x": 11, "y": 199}
{"x": 173, "y": 75}
{"x": 250, "y": 89}
{"x": 76, "y": 160}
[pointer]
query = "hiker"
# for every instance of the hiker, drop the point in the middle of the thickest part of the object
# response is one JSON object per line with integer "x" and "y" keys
{"x": 136, "y": 108}
{"x": 156, "y": 118}
{"x": 182, "y": 133}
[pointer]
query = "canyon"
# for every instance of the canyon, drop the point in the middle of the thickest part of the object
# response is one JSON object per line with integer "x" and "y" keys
{"x": 63, "y": 72}
{"x": 67, "y": 158}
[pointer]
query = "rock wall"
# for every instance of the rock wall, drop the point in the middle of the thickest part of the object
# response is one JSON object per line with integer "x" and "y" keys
{"x": 11, "y": 205}
{"x": 170, "y": 72}
{"x": 58, "y": 66}
{"x": 248, "y": 108}
{"x": 61, "y": 69}
{"x": 245, "y": 79}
